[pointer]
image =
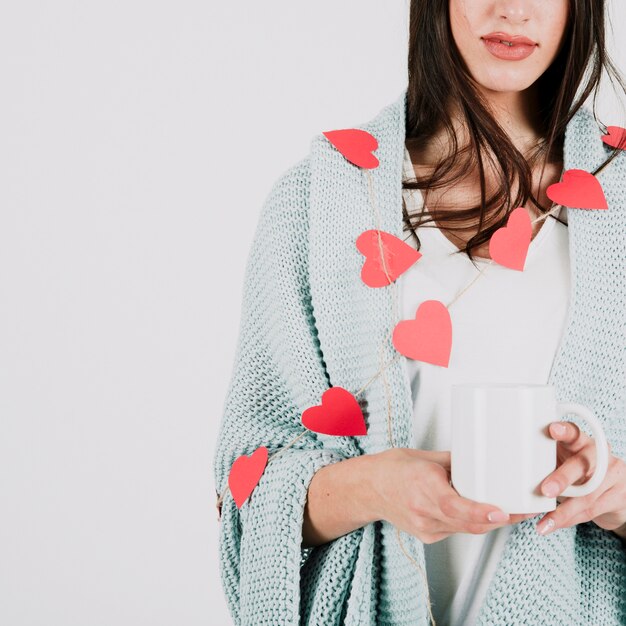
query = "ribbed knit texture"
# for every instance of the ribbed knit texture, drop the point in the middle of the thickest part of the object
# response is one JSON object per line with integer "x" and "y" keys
{"x": 309, "y": 322}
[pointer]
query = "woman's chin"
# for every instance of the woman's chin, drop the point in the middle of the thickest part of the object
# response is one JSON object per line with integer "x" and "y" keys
{"x": 503, "y": 82}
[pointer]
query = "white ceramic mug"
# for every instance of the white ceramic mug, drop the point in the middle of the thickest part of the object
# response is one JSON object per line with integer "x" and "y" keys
{"x": 502, "y": 449}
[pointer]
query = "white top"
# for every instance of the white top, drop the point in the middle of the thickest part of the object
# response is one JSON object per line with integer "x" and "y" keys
{"x": 505, "y": 328}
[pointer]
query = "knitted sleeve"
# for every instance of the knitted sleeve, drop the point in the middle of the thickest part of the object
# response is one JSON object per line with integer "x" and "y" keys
{"x": 268, "y": 578}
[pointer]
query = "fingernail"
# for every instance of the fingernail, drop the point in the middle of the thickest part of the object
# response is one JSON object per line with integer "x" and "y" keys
{"x": 545, "y": 527}
{"x": 559, "y": 429}
{"x": 550, "y": 489}
{"x": 497, "y": 516}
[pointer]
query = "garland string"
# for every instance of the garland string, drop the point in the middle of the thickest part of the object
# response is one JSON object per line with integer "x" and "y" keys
{"x": 396, "y": 319}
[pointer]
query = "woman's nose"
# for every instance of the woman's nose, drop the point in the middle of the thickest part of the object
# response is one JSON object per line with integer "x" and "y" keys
{"x": 515, "y": 11}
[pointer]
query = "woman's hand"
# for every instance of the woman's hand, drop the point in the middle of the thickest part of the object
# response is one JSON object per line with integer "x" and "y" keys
{"x": 412, "y": 491}
{"x": 576, "y": 460}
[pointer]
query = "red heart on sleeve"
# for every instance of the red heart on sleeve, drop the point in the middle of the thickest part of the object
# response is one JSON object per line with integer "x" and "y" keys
{"x": 428, "y": 337}
{"x": 245, "y": 474}
{"x": 356, "y": 145}
{"x": 397, "y": 254}
{"x": 508, "y": 246}
{"x": 338, "y": 415}
{"x": 578, "y": 190}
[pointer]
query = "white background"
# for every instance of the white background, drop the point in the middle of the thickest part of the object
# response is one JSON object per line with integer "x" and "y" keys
{"x": 138, "y": 141}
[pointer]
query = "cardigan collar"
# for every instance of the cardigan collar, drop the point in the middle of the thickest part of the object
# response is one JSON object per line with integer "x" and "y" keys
{"x": 355, "y": 341}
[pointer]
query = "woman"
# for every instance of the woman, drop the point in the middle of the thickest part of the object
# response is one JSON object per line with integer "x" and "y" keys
{"x": 368, "y": 530}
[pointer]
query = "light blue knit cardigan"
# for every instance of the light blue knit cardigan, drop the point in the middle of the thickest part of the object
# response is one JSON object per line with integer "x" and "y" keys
{"x": 309, "y": 322}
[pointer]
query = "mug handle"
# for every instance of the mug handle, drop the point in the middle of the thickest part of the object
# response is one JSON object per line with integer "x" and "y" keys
{"x": 602, "y": 449}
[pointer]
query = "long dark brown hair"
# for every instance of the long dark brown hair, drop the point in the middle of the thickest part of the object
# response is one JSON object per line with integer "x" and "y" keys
{"x": 437, "y": 75}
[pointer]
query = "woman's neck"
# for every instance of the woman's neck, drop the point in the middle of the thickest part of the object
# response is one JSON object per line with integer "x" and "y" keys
{"x": 516, "y": 112}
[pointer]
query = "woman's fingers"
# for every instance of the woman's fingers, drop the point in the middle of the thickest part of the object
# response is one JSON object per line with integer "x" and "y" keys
{"x": 569, "y": 435}
{"x": 574, "y": 512}
{"x": 580, "y": 466}
{"x": 442, "y": 511}
{"x": 475, "y": 516}
{"x": 457, "y": 507}
{"x": 604, "y": 506}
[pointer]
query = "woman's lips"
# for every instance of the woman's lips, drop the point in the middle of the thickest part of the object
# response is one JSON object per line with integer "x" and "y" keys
{"x": 502, "y": 35}
{"x": 514, "y": 51}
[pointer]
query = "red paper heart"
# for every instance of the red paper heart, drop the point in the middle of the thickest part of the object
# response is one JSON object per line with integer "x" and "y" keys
{"x": 339, "y": 414}
{"x": 398, "y": 257}
{"x": 356, "y": 145}
{"x": 428, "y": 337}
{"x": 616, "y": 137}
{"x": 579, "y": 190}
{"x": 245, "y": 474}
{"x": 508, "y": 246}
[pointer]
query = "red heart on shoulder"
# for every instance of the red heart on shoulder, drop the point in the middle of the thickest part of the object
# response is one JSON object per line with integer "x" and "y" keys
{"x": 615, "y": 137}
{"x": 428, "y": 337}
{"x": 245, "y": 474}
{"x": 578, "y": 190}
{"x": 397, "y": 255}
{"x": 508, "y": 246}
{"x": 338, "y": 415}
{"x": 356, "y": 145}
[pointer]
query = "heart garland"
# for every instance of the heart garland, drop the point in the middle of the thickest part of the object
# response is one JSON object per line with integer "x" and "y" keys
{"x": 356, "y": 145}
{"x": 509, "y": 245}
{"x": 579, "y": 190}
{"x": 245, "y": 474}
{"x": 615, "y": 137}
{"x": 339, "y": 415}
{"x": 428, "y": 336}
{"x": 379, "y": 269}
